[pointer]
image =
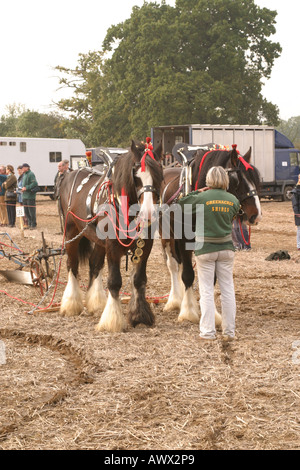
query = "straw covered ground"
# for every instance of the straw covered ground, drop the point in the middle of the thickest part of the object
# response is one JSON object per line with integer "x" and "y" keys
{"x": 65, "y": 386}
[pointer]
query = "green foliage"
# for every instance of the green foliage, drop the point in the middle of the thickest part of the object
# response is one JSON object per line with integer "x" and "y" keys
{"x": 201, "y": 61}
{"x": 291, "y": 128}
{"x": 21, "y": 122}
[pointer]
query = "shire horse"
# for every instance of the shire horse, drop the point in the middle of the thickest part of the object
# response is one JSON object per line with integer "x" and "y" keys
{"x": 98, "y": 224}
{"x": 244, "y": 182}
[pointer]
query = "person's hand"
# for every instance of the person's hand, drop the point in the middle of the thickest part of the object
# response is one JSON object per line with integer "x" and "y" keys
{"x": 23, "y": 189}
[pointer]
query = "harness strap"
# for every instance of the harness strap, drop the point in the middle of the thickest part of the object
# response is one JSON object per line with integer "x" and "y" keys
{"x": 72, "y": 189}
{"x": 251, "y": 193}
{"x": 147, "y": 189}
{"x": 89, "y": 199}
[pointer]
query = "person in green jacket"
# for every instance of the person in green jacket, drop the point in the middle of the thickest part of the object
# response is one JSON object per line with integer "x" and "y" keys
{"x": 214, "y": 250}
{"x": 28, "y": 196}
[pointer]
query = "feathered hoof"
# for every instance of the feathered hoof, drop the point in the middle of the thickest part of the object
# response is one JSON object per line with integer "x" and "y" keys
{"x": 172, "y": 306}
{"x": 111, "y": 327}
{"x": 112, "y": 319}
{"x": 218, "y": 319}
{"x": 95, "y": 306}
{"x": 71, "y": 308}
{"x": 189, "y": 316}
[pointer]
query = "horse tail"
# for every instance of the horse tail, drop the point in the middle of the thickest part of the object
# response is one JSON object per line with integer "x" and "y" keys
{"x": 84, "y": 250}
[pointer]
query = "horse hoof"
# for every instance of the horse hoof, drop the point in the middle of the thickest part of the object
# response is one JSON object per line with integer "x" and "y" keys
{"x": 191, "y": 317}
{"x": 109, "y": 328}
{"x": 172, "y": 306}
{"x": 71, "y": 312}
{"x": 95, "y": 308}
{"x": 218, "y": 319}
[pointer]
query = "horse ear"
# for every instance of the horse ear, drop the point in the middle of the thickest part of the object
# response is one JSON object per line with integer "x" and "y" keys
{"x": 135, "y": 151}
{"x": 158, "y": 152}
{"x": 234, "y": 157}
{"x": 247, "y": 156}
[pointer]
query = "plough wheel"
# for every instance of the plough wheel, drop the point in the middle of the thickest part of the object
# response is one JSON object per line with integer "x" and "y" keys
{"x": 38, "y": 276}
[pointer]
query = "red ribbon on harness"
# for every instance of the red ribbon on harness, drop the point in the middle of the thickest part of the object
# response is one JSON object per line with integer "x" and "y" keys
{"x": 148, "y": 151}
{"x": 125, "y": 206}
{"x": 246, "y": 164}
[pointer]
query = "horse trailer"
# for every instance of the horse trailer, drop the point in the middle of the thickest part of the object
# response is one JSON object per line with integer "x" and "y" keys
{"x": 273, "y": 154}
{"x": 42, "y": 155}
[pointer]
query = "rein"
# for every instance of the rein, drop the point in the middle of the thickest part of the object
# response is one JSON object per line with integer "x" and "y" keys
{"x": 242, "y": 233}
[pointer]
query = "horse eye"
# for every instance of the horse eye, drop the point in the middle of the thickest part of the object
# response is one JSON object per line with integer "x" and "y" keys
{"x": 233, "y": 180}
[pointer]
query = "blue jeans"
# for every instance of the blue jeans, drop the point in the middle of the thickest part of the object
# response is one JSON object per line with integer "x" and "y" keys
{"x": 30, "y": 211}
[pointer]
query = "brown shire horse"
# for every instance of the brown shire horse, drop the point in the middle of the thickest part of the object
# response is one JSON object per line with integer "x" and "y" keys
{"x": 244, "y": 183}
{"x": 135, "y": 178}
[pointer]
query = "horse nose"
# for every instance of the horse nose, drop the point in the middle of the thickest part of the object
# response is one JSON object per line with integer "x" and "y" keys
{"x": 254, "y": 219}
{"x": 146, "y": 214}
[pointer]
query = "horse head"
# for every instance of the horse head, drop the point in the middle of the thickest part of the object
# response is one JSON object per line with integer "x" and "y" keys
{"x": 139, "y": 178}
{"x": 244, "y": 183}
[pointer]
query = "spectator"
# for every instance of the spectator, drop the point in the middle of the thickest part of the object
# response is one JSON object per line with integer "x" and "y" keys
{"x": 3, "y": 211}
{"x": 296, "y": 208}
{"x": 63, "y": 168}
{"x": 10, "y": 196}
{"x": 29, "y": 196}
{"x": 19, "y": 192}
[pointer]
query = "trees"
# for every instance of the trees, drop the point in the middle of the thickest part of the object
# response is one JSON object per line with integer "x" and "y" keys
{"x": 201, "y": 61}
{"x": 291, "y": 128}
{"x": 21, "y": 122}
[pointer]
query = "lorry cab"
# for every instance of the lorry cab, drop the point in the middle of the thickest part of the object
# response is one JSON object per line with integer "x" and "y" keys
{"x": 287, "y": 164}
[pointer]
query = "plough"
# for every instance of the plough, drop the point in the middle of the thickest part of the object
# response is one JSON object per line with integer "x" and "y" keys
{"x": 41, "y": 268}
{"x": 41, "y": 263}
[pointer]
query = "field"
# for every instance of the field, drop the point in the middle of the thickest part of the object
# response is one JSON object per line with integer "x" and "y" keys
{"x": 65, "y": 386}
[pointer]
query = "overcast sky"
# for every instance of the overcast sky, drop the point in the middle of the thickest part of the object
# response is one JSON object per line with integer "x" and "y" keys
{"x": 36, "y": 36}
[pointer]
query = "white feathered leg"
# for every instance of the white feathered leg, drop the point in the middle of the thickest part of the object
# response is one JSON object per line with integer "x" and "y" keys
{"x": 95, "y": 297}
{"x": 189, "y": 308}
{"x": 177, "y": 287}
{"x": 112, "y": 318}
{"x": 71, "y": 303}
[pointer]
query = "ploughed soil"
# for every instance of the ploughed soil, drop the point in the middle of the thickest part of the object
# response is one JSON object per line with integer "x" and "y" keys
{"x": 66, "y": 386}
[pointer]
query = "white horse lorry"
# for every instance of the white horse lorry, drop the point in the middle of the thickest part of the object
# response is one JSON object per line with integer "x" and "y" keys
{"x": 42, "y": 155}
{"x": 273, "y": 154}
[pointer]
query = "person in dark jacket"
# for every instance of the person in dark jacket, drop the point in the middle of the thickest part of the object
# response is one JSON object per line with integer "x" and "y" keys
{"x": 296, "y": 208}
{"x": 10, "y": 196}
{"x": 28, "y": 196}
{"x": 3, "y": 211}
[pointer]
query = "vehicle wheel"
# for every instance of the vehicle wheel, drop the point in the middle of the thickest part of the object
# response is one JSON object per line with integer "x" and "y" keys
{"x": 38, "y": 276}
{"x": 287, "y": 193}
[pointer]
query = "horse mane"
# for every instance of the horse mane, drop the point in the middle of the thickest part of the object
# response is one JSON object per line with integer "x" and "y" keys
{"x": 222, "y": 158}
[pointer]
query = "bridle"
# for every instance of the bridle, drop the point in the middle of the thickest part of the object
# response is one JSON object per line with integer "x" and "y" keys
{"x": 245, "y": 195}
{"x": 144, "y": 189}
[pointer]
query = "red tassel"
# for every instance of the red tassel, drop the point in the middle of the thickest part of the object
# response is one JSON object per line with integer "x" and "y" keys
{"x": 148, "y": 151}
{"x": 246, "y": 164}
{"x": 125, "y": 206}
